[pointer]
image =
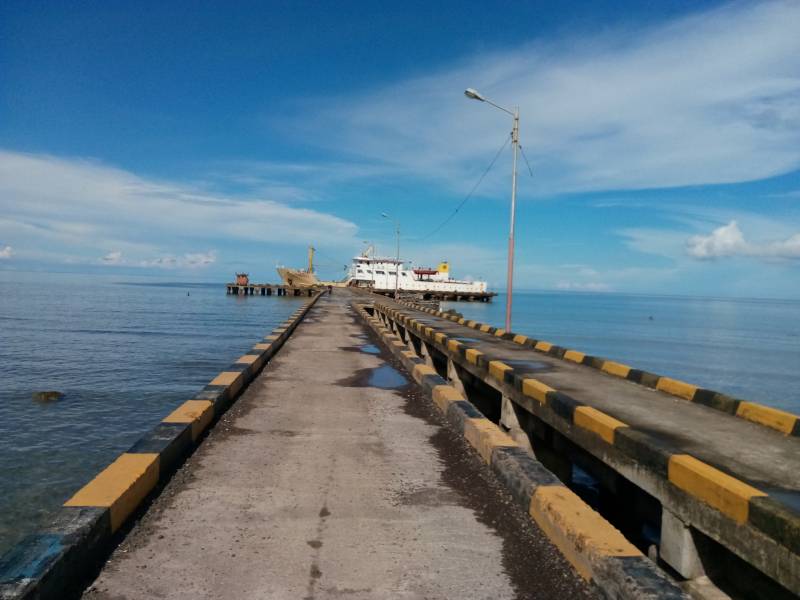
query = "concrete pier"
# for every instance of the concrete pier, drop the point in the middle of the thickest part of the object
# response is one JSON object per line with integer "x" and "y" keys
{"x": 704, "y": 483}
{"x": 333, "y": 476}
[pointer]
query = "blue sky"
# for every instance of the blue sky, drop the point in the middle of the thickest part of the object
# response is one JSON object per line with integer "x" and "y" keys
{"x": 193, "y": 139}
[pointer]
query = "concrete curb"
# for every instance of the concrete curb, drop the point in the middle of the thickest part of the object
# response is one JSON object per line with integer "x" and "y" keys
{"x": 779, "y": 420}
{"x": 597, "y": 551}
{"x": 739, "y": 502}
{"x": 51, "y": 563}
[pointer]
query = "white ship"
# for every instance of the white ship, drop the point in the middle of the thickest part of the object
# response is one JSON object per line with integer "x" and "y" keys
{"x": 388, "y": 274}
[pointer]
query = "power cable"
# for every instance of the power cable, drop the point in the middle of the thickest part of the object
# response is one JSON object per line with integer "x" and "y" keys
{"x": 472, "y": 191}
{"x": 530, "y": 170}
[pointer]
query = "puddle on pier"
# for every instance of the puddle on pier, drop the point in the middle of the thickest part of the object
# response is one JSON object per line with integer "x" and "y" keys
{"x": 385, "y": 377}
{"x": 365, "y": 348}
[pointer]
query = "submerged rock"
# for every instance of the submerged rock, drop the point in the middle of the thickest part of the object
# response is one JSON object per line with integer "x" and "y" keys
{"x": 49, "y": 396}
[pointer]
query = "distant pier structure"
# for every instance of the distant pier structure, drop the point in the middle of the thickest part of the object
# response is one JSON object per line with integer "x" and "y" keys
{"x": 437, "y": 296}
{"x": 268, "y": 289}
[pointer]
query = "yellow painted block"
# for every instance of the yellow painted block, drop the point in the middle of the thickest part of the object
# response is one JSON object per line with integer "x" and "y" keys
{"x": 197, "y": 412}
{"x": 472, "y": 324}
{"x": 428, "y": 332}
{"x": 440, "y": 338}
{"x": 543, "y": 346}
{"x": 536, "y": 389}
{"x": 248, "y": 359}
{"x": 581, "y": 534}
{"x": 453, "y": 345}
{"x": 769, "y": 417}
{"x": 497, "y": 369}
{"x": 262, "y": 346}
{"x": 421, "y": 371}
{"x": 574, "y": 356}
{"x": 120, "y": 487}
{"x": 271, "y": 338}
{"x": 485, "y": 328}
{"x": 461, "y": 321}
{"x": 485, "y": 436}
{"x": 226, "y": 378}
{"x": 472, "y": 355}
{"x": 616, "y": 369}
{"x": 409, "y": 354}
{"x": 676, "y": 388}
{"x": 444, "y": 395}
{"x": 725, "y": 493}
{"x": 597, "y": 422}
{"x": 520, "y": 339}
{"x": 399, "y": 343}
{"x": 500, "y": 332}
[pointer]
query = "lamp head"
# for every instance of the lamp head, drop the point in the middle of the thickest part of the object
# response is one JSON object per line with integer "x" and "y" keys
{"x": 384, "y": 215}
{"x": 474, "y": 94}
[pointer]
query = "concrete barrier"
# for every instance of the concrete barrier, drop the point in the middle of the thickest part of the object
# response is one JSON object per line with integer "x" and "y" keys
{"x": 597, "y": 550}
{"x": 743, "y": 517}
{"x": 64, "y": 555}
{"x": 779, "y": 420}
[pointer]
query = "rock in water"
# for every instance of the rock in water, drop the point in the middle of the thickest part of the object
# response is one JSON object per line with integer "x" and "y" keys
{"x": 47, "y": 397}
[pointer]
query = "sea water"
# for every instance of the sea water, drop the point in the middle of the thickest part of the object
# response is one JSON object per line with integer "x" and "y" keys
{"x": 124, "y": 352}
{"x": 746, "y": 348}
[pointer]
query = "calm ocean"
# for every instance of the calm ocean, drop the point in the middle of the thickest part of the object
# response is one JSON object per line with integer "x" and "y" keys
{"x": 746, "y": 348}
{"x": 124, "y": 353}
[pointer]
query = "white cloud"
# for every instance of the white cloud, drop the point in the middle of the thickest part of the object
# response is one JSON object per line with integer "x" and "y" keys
{"x": 77, "y": 207}
{"x": 729, "y": 240}
{"x": 113, "y": 258}
{"x": 190, "y": 260}
{"x": 6, "y": 252}
{"x": 576, "y": 286}
{"x": 711, "y": 98}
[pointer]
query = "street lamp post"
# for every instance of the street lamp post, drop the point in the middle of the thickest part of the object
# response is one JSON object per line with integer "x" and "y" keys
{"x": 397, "y": 265}
{"x": 474, "y": 95}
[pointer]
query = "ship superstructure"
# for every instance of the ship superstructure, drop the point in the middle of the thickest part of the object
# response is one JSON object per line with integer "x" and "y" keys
{"x": 387, "y": 274}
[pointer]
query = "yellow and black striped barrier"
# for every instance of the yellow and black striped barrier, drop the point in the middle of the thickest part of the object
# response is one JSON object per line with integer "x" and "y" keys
{"x": 597, "y": 550}
{"x": 736, "y": 500}
{"x": 47, "y": 564}
{"x": 779, "y": 420}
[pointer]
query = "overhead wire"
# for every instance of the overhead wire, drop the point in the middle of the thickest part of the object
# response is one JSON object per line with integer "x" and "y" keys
{"x": 530, "y": 170}
{"x": 471, "y": 192}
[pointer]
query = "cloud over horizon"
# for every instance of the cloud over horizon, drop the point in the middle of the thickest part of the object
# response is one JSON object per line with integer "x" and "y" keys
{"x": 74, "y": 210}
{"x": 729, "y": 241}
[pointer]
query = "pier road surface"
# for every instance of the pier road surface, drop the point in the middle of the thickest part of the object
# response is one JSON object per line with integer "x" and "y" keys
{"x": 334, "y": 477}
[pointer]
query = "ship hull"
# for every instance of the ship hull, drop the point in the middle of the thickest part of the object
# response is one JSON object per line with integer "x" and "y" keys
{"x": 297, "y": 278}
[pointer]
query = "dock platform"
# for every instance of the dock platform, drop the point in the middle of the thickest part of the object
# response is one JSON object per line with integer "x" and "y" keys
{"x": 331, "y": 478}
{"x": 705, "y": 483}
{"x": 269, "y": 289}
{"x": 371, "y": 448}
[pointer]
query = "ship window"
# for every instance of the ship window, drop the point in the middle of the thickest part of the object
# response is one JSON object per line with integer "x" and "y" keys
{"x": 380, "y": 273}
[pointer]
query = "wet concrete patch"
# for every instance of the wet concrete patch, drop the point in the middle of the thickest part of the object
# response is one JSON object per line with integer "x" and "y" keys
{"x": 385, "y": 377}
{"x": 528, "y": 366}
{"x": 536, "y": 568}
{"x": 365, "y": 348}
{"x": 466, "y": 340}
